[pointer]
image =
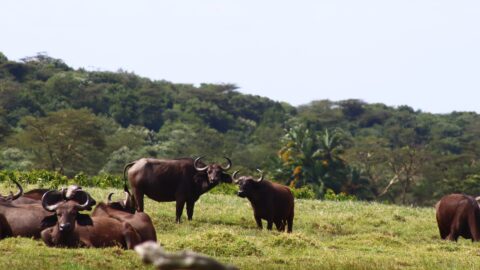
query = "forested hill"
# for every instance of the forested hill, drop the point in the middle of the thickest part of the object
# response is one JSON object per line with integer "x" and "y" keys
{"x": 57, "y": 118}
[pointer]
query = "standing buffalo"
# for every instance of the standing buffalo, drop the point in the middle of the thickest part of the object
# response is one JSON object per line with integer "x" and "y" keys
{"x": 125, "y": 211}
{"x": 182, "y": 180}
{"x": 458, "y": 215}
{"x": 78, "y": 230}
{"x": 270, "y": 201}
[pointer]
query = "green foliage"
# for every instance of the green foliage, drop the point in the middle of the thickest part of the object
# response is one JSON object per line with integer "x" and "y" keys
{"x": 67, "y": 140}
{"x": 314, "y": 159}
{"x": 225, "y": 189}
{"x": 342, "y": 196}
{"x": 57, "y": 118}
{"x": 305, "y": 192}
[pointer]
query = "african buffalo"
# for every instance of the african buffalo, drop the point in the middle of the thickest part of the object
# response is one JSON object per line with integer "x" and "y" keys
{"x": 26, "y": 220}
{"x": 5, "y": 230}
{"x": 69, "y": 193}
{"x": 125, "y": 211}
{"x": 78, "y": 230}
{"x": 458, "y": 215}
{"x": 270, "y": 201}
{"x": 182, "y": 180}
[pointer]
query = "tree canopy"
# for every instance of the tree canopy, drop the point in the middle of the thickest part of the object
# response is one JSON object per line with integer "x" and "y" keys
{"x": 72, "y": 120}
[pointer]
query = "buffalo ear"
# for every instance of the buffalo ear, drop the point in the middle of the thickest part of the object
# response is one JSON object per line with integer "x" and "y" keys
{"x": 226, "y": 178}
{"x": 84, "y": 220}
{"x": 49, "y": 221}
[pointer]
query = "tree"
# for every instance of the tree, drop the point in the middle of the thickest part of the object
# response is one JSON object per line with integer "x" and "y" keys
{"x": 67, "y": 141}
{"x": 314, "y": 159}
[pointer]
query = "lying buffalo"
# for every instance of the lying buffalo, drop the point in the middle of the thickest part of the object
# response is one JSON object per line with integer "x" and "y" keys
{"x": 125, "y": 211}
{"x": 270, "y": 201}
{"x": 458, "y": 215}
{"x": 182, "y": 180}
{"x": 5, "y": 230}
{"x": 26, "y": 220}
{"x": 73, "y": 229}
{"x": 69, "y": 193}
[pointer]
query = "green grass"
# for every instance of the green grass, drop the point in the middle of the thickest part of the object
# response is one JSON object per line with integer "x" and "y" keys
{"x": 327, "y": 235}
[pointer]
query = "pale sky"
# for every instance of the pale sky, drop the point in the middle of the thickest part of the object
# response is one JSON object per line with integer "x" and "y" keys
{"x": 422, "y": 53}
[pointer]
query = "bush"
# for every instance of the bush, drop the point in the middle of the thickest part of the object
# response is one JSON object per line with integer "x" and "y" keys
{"x": 53, "y": 180}
{"x": 342, "y": 196}
{"x": 226, "y": 189}
{"x": 305, "y": 192}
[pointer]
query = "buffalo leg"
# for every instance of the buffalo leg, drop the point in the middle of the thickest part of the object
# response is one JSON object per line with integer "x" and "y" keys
{"x": 290, "y": 224}
{"x": 280, "y": 226}
{"x": 47, "y": 237}
{"x": 138, "y": 196}
{"x": 473, "y": 227}
{"x": 190, "y": 206}
{"x": 131, "y": 236}
{"x": 269, "y": 224}
{"x": 259, "y": 222}
{"x": 179, "y": 205}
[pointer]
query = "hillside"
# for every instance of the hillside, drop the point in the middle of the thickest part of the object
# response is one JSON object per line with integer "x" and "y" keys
{"x": 74, "y": 121}
{"x": 327, "y": 235}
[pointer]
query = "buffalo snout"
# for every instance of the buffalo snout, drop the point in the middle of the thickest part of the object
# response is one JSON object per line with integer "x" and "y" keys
{"x": 65, "y": 227}
{"x": 241, "y": 194}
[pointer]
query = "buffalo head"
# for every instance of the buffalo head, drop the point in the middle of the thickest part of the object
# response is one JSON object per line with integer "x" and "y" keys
{"x": 66, "y": 211}
{"x": 11, "y": 196}
{"x": 127, "y": 204}
{"x": 72, "y": 193}
{"x": 246, "y": 184}
{"x": 215, "y": 172}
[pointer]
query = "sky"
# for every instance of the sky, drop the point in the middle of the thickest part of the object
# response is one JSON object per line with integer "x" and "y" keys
{"x": 421, "y": 53}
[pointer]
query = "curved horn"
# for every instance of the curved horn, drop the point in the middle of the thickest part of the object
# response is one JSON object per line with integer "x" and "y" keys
{"x": 109, "y": 198}
{"x": 127, "y": 198}
{"x": 234, "y": 176}
{"x": 46, "y": 206}
{"x": 20, "y": 191}
{"x": 196, "y": 167}
{"x": 70, "y": 191}
{"x": 261, "y": 176}
{"x": 229, "y": 164}
{"x": 85, "y": 205}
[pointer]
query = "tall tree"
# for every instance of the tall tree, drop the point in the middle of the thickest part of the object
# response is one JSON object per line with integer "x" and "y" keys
{"x": 67, "y": 141}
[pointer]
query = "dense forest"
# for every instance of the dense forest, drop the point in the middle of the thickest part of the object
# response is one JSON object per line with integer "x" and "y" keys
{"x": 70, "y": 120}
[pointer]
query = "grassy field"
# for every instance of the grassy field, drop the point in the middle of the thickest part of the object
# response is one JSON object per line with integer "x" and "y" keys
{"x": 327, "y": 235}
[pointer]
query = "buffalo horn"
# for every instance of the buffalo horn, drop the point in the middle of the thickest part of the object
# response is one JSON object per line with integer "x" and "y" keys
{"x": 196, "y": 167}
{"x": 234, "y": 175}
{"x": 86, "y": 204}
{"x": 261, "y": 176}
{"x": 229, "y": 164}
{"x": 109, "y": 198}
{"x": 20, "y": 191}
{"x": 127, "y": 197}
{"x": 45, "y": 203}
{"x": 71, "y": 190}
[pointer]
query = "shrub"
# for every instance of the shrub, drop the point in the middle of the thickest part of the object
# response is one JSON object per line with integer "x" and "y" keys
{"x": 342, "y": 196}
{"x": 305, "y": 192}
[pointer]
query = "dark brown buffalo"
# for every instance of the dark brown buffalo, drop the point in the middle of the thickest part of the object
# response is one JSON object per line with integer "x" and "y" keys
{"x": 5, "y": 230}
{"x": 458, "y": 215}
{"x": 69, "y": 193}
{"x": 125, "y": 211}
{"x": 270, "y": 201}
{"x": 78, "y": 230}
{"x": 26, "y": 220}
{"x": 181, "y": 180}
